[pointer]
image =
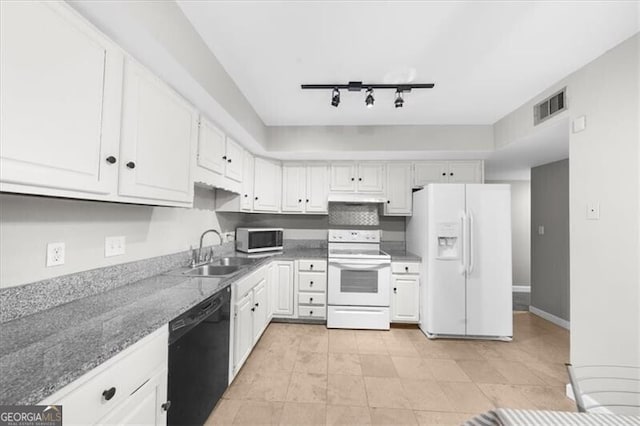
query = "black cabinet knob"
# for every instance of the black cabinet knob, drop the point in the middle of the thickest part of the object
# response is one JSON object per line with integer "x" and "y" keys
{"x": 224, "y": 157}
{"x": 307, "y": 200}
{"x": 395, "y": 289}
{"x": 444, "y": 174}
{"x": 352, "y": 179}
{"x": 360, "y": 179}
{"x": 310, "y": 283}
{"x": 299, "y": 200}
{"x": 256, "y": 198}
{"x": 406, "y": 269}
{"x": 253, "y": 309}
{"x": 257, "y": 304}
{"x": 166, "y": 406}
{"x": 311, "y": 300}
{"x": 109, "y": 393}
{"x": 131, "y": 165}
{"x": 451, "y": 174}
{"x": 388, "y": 201}
{"x": 310, "y": 312}
{"x": 229, "y": 160}
{"x": 311, "y": 266}
{"x": 111, "y": 159}
{"x": 246, "y": 195}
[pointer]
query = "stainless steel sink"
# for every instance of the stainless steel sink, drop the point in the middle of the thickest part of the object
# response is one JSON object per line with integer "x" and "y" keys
{"x": 234, "y": 261}
{"x": 213, "y": 270}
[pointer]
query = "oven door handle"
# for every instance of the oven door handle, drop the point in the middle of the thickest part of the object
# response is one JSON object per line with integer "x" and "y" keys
{"x": 362, "y": 266}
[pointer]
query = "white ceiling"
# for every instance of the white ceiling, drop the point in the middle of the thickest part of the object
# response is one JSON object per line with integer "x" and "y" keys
{"x": 486, "y": 58}
{"x": 544, "y": 145}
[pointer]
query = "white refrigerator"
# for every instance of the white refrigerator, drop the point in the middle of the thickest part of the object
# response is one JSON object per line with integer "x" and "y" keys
{"x": 463, "y": 234}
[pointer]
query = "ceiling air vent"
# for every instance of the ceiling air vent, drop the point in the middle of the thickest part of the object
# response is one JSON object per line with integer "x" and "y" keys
{"x": 551, "y": 106}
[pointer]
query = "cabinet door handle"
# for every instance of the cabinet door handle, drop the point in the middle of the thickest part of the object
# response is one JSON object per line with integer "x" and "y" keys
{"x": 109, "y": 393}
{"x": 310, "y": 312}
{"x": 257, "y": 304}
{"x": 307, "y": 200}
{"x": 311, "y": 300}
{"x": 131, "y": 165}
{"x": 166, "y": 406}
{"x": 256, "y": 198}
{"x": 299, "y": 200}
{"x": 246, "y": 195}
{"x": 360, "y": 179}
{"x": 451, "y": 174}
{"x": 224, "y": 157}
{"x": 444, "y": 174}
{"x": 111, "y": 159}
{"x": 229, "y": 160}
{"x": 253, "y": 309}
{"x": 388, "y": 201}
{"x": 395, "y": 289}
{"x": 352, "y": 179}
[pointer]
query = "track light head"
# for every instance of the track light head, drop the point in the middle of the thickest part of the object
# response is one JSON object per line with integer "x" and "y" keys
{"x": 399, "y": 102}
{"x": 335, "y": 97}
{"x": 369, "y": 100}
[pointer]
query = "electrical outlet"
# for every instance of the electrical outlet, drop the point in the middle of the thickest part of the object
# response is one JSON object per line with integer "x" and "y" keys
{"x": 114, "y": 246}
{"x": 55, "y": 254}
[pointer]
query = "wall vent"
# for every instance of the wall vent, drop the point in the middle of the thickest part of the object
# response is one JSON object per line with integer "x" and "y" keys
{"x": 551, "y": 106}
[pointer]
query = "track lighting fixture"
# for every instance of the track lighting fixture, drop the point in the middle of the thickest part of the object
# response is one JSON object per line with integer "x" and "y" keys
{"x": 357, "y": 86}
{"x": 335, "y": 97}
{"x": 369, "y": 99}
{"x": 399, "y": 102}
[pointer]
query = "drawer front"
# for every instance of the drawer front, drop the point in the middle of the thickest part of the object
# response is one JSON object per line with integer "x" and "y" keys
{"x": 246, "y": 284}
{"x": 312, "y": 298}
{"x": 312, "y": 265}
{"x": 312, "y": 281}
{"x": 311, "y": 311}
{"x": 86, "y": 404}
{"x": 405, "y": 268}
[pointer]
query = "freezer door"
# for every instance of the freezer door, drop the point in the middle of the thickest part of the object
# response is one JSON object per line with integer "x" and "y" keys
{"x": 489, "y": 310}
{"x": 445, "y": 286}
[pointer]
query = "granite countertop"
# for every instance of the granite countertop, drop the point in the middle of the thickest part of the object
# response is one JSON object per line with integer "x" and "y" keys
{"x": 402, "y": 255}
{"x": 43, "y": 352}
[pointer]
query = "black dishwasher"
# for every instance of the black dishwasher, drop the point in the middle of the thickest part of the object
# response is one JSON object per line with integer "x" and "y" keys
{"x": 199, "y": 359}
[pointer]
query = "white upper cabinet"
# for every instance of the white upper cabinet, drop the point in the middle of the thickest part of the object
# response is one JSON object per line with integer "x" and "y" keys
{"x": 246, "y": 194}
{"x": 317, "y": 188}
{"x": 465, "y": 172}
{"x": 371, "y": 177}
{"x": 294, "y": 191}
{"x": 234, "y": 157}
{"x": 60, "y": 102}
{"x": 267, "y": 185}
{"x": 343, "y": 177}
{"x": 211, "y": 148}
{"x": 398, "y": 188}
{"x": 159, "y": 130}
{"x": 426, "y": 172}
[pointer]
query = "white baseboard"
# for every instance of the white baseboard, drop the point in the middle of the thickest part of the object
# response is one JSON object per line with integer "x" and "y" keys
{"x": 588, "y": 401}
{"x": 521, "y": 288}
{"x": 549, "y": 317}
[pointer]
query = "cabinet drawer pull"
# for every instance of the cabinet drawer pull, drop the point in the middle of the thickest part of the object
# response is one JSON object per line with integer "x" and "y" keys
{"x": 111, "y": 159}
{"x": 131, "y": 165}
{"x": 166, "y": 406}
{"x": 406, "y": 269}
{"x": 311, "y": 300}
{"x": 310, "y": 283}
{"x": 109, "y": 393}
{"x": 311, "y": 266}
{"x": 310, "y": 312}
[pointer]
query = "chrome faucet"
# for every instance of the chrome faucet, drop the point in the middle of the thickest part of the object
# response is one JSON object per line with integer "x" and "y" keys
{"x": 197, "y": 258}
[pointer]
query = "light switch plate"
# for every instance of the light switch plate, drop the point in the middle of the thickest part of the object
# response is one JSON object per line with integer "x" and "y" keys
{"x": 114, "y": 246}
{"x": 55, "y": 254}
{"x": 579, "y": 124}
{"x": 593, "y": 211}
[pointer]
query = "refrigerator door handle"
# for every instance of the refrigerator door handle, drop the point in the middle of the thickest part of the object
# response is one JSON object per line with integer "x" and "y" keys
{"x": 463, "y": 245}
{"x": 470, "y": 243}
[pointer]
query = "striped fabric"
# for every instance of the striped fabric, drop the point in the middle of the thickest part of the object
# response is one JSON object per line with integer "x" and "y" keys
{"x": 509, "y": 417}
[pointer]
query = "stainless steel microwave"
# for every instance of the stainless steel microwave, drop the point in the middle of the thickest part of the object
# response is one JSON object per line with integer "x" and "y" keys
{"x": 256, "y": 240}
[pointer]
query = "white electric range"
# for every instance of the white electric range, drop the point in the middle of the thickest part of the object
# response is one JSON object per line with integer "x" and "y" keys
{"x": 359, "y": 280}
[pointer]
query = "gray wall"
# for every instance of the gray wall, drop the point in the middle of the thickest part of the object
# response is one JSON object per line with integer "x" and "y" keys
{"x": 550, "y": 252}
{"x": 520, "y": 230}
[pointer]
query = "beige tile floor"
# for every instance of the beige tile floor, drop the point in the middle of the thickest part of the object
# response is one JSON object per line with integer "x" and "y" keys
{"x": 306, "y": 374}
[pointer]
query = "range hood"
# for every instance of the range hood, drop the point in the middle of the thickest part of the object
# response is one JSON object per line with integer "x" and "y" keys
{"x": 357, "y": 198}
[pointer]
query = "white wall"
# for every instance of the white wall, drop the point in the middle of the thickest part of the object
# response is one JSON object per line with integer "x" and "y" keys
{"x": 604, "y": 169}
{"x": 520, "y": 230}
{"x": 28, "y": 223}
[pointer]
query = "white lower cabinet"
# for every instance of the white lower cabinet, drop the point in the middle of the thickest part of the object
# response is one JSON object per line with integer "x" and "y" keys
{"x": 311, "y": 300}
{"x": 130, "y": 388}
{"x": 250, "y": 314}
{"x": 405, "y": 292}
{"x": 282, "y": 296}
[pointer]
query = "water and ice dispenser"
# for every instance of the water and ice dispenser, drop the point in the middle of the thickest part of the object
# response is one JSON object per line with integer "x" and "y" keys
{"x": 448, "y": 234}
